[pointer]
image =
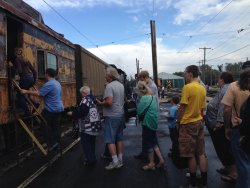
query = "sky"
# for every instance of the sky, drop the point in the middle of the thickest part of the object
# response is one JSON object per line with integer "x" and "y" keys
{"x": 118, "y": 31}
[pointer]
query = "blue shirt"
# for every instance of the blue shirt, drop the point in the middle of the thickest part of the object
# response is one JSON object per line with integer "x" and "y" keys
{"x": 172, "y": 117}
{"x": 52, "y": 95}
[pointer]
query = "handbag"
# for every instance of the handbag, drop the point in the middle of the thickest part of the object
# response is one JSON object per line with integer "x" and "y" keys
{"x": 142, "y": 115}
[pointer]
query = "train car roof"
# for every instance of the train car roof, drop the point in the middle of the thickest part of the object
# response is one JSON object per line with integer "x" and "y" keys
{"x": 31, "y": 16}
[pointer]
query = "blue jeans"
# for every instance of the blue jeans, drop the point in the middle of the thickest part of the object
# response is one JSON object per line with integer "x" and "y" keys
{"x": 242, "y": 161}
{"x": 88, "y": 146}
{"x": 25, "y": 82}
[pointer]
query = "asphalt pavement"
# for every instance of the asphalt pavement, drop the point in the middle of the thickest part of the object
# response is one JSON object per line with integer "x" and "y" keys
{"x": 68, "y": 170}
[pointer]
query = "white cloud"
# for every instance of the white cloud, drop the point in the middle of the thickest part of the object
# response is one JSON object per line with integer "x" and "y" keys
{"x": 135, "y": 18}
{"x": 233, "y": 18}
{"x": 192, "y": 10}
{"x": 141, "y": 4}
{"x": 124, "y": 56}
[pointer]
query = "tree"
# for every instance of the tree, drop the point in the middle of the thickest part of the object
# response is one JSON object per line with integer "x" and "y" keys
{"x": 234, "y": 68}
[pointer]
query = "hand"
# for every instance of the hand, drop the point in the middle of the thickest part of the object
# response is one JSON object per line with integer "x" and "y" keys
{"x": 238, "y": 120}
{"x": 17, "y": 77}
{"x": 98, "y": 101}
{"x": 10, "y": 64}
{"x": 69, "y": 113}
{"x": 23, "y": 91}
{"x": 218, "y": 126}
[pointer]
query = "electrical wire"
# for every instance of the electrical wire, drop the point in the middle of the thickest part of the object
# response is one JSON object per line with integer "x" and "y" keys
{"x": 187, "y": 41}
{"x": 228, "y": 53}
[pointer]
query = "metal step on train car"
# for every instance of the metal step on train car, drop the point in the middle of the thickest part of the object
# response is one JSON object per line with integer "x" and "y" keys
{"x": 22, "y": 26}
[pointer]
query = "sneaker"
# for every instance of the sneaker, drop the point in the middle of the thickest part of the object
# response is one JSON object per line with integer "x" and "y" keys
{"x": 112, "y": 166}
{"x": 120, "y": 164}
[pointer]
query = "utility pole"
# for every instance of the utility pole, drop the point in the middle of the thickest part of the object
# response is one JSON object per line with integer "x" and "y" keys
{"x": 204, "y": 63}
{"x": 154, "y": 58}
{"x": 137, "y": 66}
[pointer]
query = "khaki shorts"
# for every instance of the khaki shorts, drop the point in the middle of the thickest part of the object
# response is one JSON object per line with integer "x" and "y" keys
{"x": 191, "y": 139}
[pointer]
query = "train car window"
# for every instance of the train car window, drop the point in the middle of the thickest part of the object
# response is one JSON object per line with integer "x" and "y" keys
{"x": 41, "y": 64}
{"x": 51, "y": 61}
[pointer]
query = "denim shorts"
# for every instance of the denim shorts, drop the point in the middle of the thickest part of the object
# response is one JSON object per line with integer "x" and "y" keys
{"x": 113, "y": 129}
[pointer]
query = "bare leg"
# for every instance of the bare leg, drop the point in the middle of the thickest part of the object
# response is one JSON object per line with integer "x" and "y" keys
{"x": 112, "y": 149}
{"x": 192, "y": 164}
{"x": 159, "y": 155}
{"x": 120, "y": 147}
{"x": 203, "y": 163}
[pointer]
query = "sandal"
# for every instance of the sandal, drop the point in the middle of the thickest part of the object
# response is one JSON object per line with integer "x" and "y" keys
{"x": 222, "y": 171}
{"x": 160, "y": 165}
{"x": 228, "y": 178}
{"x": 148, "y": 167}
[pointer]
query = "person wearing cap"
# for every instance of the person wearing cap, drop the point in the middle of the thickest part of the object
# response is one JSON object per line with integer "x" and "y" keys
{"x": 114, "y": 122}
{"x": 233, "y": 100}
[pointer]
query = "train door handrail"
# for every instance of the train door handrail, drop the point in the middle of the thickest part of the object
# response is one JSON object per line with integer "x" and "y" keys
{"x": 38, "y": 115}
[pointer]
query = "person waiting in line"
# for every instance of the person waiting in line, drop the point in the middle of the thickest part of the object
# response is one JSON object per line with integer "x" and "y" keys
{"x": 144, "y": 76}
{"x": 189, "y": 122}
{"x": 148, "y": 105}
{"x": 233, "y": 99}
{"x": 27, "y": 76}
{"x": 172, "y": 117}
{"x": 51, "y": 92}
{"x": 215, "y": 123}
{"x": 89, "y": 121}
{"x": 114, "y": 121}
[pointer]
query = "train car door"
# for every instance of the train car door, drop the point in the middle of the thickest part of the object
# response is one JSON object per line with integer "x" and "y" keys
{"x": 14, "y": 28}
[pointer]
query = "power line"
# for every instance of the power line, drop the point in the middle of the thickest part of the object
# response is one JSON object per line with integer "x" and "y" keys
{"x": 215, "y": 15}
{"x": 75, "y": 28}
{"x": 206, "y": 24}
{"x": 125, "y": 39}
{"x": 229, "y": 53}
{"x": 70, "y": 24}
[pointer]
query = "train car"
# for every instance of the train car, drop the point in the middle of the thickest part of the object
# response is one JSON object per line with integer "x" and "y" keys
{"x": 22, "y": 26}
{"x": 90, "y": 70}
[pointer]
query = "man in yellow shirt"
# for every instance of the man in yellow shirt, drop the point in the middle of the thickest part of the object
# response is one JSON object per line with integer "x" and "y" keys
{"x": 191, "y": 133}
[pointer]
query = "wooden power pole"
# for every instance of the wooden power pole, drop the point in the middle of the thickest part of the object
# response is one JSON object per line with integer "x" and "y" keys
{"x": 204, "y": 63}
{"x": 154, "y": 57}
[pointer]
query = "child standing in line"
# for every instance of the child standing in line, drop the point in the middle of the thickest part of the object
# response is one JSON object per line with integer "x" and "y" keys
{"x": 172, "y": 117}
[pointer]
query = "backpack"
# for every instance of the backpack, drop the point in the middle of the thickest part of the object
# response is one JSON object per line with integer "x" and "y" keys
{"x": 129, "y": 109}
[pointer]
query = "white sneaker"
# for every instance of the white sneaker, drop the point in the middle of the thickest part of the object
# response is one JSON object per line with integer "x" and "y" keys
{"x": 112, "y": 166}
{"x": 120, "y": 164}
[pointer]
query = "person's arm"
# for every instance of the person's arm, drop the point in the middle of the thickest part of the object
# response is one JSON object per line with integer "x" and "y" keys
{"x": 181, "y": 112}
{"x": 227, "y": 114}
{"x": 31, "y": 92}
{"x": 108, "y": 101}
{"x": 81, "y": 112}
